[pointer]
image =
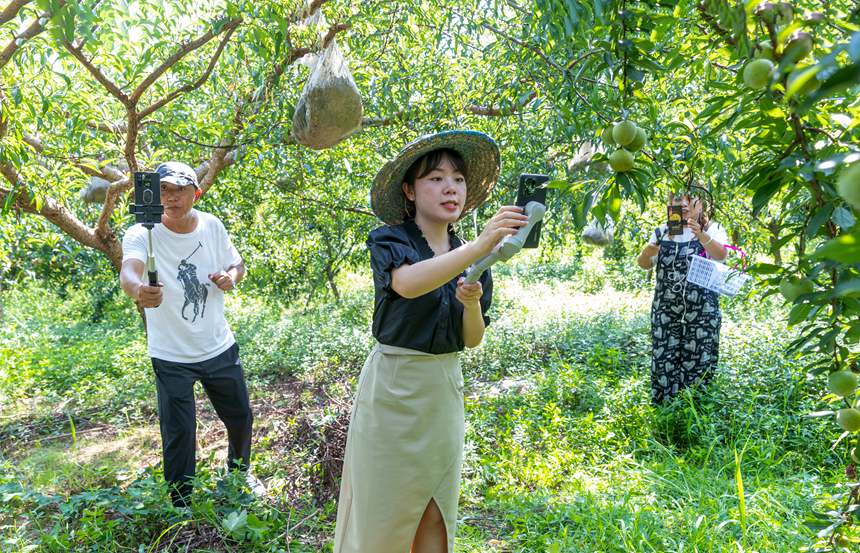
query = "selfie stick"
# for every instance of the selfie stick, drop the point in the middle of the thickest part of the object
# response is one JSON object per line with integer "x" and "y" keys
{"x": 148, "y": 212}
{"x": 509, "y": 245}
{"x": 150, "y": 259}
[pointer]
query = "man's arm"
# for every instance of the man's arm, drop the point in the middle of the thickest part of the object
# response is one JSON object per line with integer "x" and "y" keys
{"x": 237, "y": 272}
{"x": 229, "y": 278}
{"x": 131, "y": 280}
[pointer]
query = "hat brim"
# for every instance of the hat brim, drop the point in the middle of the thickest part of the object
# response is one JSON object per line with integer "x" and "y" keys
{"x": 181, "y": 182}
{"x": 478, "y": 150}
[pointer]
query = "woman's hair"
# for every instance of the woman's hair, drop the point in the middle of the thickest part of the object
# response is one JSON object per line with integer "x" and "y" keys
{"x": 433, "y": 160}
{"x": 427, "y": 163}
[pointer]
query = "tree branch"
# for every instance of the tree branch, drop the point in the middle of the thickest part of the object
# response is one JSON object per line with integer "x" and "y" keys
{"x": 225, "y": 155}
{"x": 49, "y": 209}
{"x": 531, "y": 48}
{"x": 64, "y": 219}
{"x": 112, "y": 128}
{"x": 383, "y": 121}
{"x": 821, "y": 131}
{"x": 334, "y": 30}
{"x": 132, "y": 130}
{"x": 187, "y": 48}
{"x": 283, "y": 187}
{"x": 222, "y": 157}
{"x": 489, "y": 111}
{"x": 100, "y": 238}
{"x": 312, "y": 9}
{"x": 34, "y": 29}
{"x": 106, "y": 172}
{"x": 98, "y": 75}
{"x": 196, "y": 84}
{"x": 576, "y": 61}
{"x": 114, "y": 190}
{"x": 11, "y": 10}
{"x": 519, "y": 42}
{"x": 709, "y": 19}
{"x": 297, "y": 53}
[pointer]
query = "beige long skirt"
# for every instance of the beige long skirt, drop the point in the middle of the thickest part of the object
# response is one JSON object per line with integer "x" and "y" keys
{"x": 404, "y": 447}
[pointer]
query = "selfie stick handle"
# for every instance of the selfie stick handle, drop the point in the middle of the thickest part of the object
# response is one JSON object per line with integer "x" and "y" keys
{"x": 509, "y": 245}
{"x": 150, "y": 261}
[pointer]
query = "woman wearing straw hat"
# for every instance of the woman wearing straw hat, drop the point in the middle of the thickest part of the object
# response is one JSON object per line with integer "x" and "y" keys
{"x": 404, "y": 448}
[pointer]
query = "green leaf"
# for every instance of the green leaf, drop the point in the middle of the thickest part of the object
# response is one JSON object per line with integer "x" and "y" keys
{"x": 799, "y": 313}
{"x": 763, "y": 195}
{"x": 765, "y": 269}
{"x": 852, "y": 336}
{"x": 843, "y": 218}
{"x": 820, "y": 217}
{"x": 844, "y": 249}
{"x": 842, "y": 79}
{"x": 613, "y": 204}
{"x": 68, "y": 19}
{"x": 235, "y": 521}
{"x": 739, "y": 484}
{"x": 256, "y": 525}
{"x": 848, "y": 288}
{"x": 800, "y": 81}
{"x": 10, "y": 200}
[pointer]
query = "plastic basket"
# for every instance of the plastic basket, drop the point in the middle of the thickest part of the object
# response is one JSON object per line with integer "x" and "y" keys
{"x": 716, "y": 276}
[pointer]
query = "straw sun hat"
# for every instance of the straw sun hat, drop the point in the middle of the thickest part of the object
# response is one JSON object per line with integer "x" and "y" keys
{"x": 478, "y": 150}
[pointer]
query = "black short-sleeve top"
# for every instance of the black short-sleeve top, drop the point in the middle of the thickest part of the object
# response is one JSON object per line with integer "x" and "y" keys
{"x": 432, "y": 323}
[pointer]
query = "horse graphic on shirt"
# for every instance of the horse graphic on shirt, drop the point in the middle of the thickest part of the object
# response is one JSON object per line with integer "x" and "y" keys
{"x": 195, "y": 291}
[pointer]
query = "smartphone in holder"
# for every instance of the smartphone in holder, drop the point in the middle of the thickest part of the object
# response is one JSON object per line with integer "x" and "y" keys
{"x": 147, "y": 208}
{"x": 676, "y": 221}
{"x": 532, "y": 189}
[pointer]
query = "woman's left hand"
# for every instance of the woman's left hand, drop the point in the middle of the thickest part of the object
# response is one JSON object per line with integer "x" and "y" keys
{"x": 469, "y": 294}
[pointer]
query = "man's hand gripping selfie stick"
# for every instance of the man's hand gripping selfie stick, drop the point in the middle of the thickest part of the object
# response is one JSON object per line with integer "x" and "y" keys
{"x": 509, "y": 245}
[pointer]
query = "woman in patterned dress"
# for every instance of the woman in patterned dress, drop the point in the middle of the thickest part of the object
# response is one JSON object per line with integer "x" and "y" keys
{"x": 685, "y": 317}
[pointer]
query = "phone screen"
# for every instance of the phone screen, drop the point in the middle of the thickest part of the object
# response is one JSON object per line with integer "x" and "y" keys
{"x": 147, "y": 206}
{"x": 147, "y": 188}
{"x": 532, "y": 189}
{"x": 676, "y": 221}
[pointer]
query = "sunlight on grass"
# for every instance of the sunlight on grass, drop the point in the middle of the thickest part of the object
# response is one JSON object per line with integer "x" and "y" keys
{"x": 96, "y": 461}
{"x": 564, "y": 452}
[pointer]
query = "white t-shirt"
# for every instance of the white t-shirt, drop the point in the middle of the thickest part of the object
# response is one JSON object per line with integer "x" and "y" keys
{"x": 189, "y": 325}
{"x": 714, "y": 230}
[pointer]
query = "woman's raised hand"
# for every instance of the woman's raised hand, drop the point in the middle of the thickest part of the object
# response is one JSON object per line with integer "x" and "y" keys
{"x": 506, "y": 222}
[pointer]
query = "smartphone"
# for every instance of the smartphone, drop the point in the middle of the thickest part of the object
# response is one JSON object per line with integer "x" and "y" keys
{"x": 532, "y": 189}
{"x": 676, "y": 221}
{"x": 147, "y": 208}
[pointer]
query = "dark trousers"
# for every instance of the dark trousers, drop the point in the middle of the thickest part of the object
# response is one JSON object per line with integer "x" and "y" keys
{"x": 224, "y": 382}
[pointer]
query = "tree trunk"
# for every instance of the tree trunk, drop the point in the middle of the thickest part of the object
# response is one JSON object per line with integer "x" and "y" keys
{"x": 773, "y": 227}
{"x": 330, "y": 274}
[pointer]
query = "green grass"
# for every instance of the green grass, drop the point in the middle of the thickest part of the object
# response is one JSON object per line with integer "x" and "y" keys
{"x": 564, "y": 452}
